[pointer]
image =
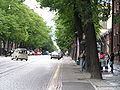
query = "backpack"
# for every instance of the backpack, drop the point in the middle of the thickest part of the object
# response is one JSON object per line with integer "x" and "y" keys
{"x": 102, "y": 56}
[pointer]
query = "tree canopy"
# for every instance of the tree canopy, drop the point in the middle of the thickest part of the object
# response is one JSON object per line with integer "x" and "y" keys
{"x": 23, "y": 26}
{"x": 65, "y": 16}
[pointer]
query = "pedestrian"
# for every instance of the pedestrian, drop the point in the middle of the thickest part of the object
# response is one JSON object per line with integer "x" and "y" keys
{"x": 107, "y": 57}
{"x": 102, "y": 60}
{"x": 79, "y": 57}
{"x": 82, "y": 60}
{"x": 111, "y": 61}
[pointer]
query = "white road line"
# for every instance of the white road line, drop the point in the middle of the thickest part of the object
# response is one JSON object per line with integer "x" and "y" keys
{"x": 55, "y": 82}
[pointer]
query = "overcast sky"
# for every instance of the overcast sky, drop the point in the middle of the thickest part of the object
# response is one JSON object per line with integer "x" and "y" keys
{"x": 45, "y": 13}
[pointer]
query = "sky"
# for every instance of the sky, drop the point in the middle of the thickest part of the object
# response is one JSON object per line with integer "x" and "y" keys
{"x": 45, "y": 14}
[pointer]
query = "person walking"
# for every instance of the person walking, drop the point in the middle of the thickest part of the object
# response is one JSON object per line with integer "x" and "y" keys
{"x": 102, "y": 60}
{"x": 82, "y": 61}
{"x": 107, "y": 57}
{"x": 111, "y": 62}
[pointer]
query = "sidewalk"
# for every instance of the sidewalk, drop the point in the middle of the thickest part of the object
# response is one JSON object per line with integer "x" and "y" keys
{"x": 73, "y": 79}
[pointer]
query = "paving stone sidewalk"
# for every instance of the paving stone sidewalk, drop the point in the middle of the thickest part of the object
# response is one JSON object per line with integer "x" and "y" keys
{"x": 73, "y": 79}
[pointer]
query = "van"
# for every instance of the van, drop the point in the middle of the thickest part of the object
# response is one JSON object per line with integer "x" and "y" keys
{"x": 20, "y": 53}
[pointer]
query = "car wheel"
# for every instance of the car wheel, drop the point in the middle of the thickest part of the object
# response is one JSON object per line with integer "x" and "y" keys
{"x": 21, "y": 59}
{"x": 26, "y": 59}
{"x": 12, "y": 58}
{"x": 51, "y": 57}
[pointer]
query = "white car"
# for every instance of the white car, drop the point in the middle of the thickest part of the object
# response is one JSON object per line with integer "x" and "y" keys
{"x": 55, "y": 55}
{"x": 20, "y": 53}
{"x": 31, "y": 52}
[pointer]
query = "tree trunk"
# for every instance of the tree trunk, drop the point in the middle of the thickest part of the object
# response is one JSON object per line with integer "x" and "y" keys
{"x": 95, "y": 65}
{"x": 78, "y": 31}
{"x": 4, "y": 43}
{"x": 87, "y": 39}
{"x": 112, "y": 27}
{"x": 8, "y": 45}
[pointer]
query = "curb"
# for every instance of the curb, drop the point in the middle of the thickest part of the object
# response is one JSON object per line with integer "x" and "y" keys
{"x": 101, "y": 85}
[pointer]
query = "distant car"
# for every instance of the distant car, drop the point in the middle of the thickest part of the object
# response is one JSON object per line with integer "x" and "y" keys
{"x": 31, "y": 52}
{"x": 55, "y": 55}
{"x": 45, "y": 53}
{"x": 37, "y": 53}
{"x": 9, "y": 53}
{"x": 20, "y": 53}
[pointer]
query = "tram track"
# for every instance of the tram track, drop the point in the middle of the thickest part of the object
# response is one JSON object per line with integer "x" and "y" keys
{"x": 11, "y": 67}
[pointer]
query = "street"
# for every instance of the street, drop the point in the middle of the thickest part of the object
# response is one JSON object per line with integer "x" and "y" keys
{"x": 43, "y": 73}
{"x": 34, "y": 74}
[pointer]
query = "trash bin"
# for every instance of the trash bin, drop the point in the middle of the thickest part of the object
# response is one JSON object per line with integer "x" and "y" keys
{"x": 78, "y": 62}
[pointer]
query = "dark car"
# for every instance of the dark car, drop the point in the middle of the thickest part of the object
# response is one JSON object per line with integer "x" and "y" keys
{"x": 45, "y": 53}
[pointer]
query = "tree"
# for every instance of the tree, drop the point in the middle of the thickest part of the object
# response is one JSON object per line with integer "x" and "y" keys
{"x": 77, "y": 12}
{"x": 64, "y": 33}
{"x": 21, "y": 25}
{"x": 85, "y": 16}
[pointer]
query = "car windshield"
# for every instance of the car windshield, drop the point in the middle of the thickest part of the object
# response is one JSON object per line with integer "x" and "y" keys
{"x": 54, "y": 53}
{"x": 23, "y": 52}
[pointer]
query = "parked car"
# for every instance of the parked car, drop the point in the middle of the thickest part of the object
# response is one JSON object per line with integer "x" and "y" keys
{"x": 55, "y": 55}
{"x": 8, "y": 53}
{"x": 45, "y": 53}
{"x": 37, "y": 53}
{"x": 20, "y": 53}
{"x": 31, "y": 52}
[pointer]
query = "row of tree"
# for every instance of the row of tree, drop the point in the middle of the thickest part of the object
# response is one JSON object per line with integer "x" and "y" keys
{"x": 76, "y": 18}
{"x": 23, "y": 27}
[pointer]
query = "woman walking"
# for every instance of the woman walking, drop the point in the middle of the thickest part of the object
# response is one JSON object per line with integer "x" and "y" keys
{"x": 111, "y": 62}
{"x": 102, "y": 60}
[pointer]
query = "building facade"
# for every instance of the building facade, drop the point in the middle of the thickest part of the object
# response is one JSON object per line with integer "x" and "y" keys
{"x": 116, "y": 29}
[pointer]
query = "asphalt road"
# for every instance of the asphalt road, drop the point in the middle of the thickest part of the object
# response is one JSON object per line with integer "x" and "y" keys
{"x": 34, "y": 74}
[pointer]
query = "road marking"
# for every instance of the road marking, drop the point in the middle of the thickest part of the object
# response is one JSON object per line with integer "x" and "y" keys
{"x": 55, "y": 82}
